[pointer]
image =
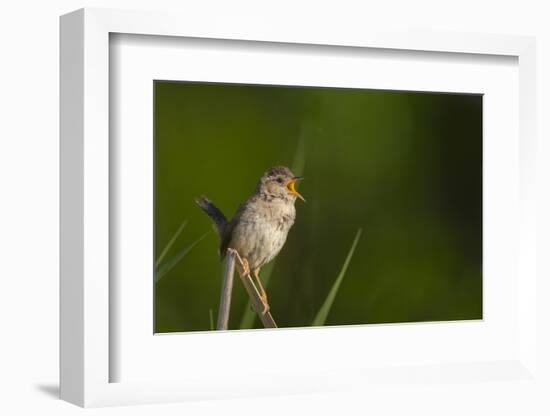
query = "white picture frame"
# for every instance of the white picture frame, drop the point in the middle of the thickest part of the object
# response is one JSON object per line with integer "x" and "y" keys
{"x": 86, "y": 164}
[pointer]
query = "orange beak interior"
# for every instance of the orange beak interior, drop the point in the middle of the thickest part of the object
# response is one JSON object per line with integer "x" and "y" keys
{"x": 290, "y": 186}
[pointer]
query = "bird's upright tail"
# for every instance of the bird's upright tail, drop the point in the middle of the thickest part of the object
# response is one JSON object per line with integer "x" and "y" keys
{"x": 213, "y": 212}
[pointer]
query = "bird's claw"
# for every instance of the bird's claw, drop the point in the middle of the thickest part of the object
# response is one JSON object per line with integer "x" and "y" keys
{"x": 246, "y": 267}
{"x": 266, "y": 304}
{"x": 242, "y": 262}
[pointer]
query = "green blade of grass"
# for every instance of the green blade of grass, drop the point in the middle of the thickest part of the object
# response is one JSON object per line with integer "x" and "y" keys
{"x": 170, "y": 244}
{"x": 211, "y": 316}
{"x": 322, "y": 315}
{"x": 168, "y": 265}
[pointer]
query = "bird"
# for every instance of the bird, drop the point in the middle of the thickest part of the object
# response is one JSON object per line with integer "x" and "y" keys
{"x": 260, "y": 226}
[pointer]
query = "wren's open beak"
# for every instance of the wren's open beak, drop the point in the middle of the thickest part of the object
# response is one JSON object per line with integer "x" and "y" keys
{"x": 290, "y": 186}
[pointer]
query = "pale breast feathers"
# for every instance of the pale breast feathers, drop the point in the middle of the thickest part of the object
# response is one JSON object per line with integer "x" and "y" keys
{"x": 261, "y": 231}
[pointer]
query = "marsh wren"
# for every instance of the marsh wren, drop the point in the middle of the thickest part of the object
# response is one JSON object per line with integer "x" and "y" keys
{"x": 260, "y": 225}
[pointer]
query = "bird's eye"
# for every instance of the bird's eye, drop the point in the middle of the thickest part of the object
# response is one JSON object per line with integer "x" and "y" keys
{"x": 280, "y": 180}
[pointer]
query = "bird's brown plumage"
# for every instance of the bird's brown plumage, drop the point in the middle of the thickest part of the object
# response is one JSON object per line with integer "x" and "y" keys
{"x": 259, "y": 228}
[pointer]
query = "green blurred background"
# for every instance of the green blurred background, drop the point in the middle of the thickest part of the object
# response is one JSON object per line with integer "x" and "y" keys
{"x": 406, "y": 167}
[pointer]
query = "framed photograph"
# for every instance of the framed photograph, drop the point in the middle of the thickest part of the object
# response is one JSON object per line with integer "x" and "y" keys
{"x": 314, "y": 212}
{"x": 415, "y": 187}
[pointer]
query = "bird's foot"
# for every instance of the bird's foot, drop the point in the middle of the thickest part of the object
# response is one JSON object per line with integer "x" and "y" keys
{"x": 265, "y": 303}
{"x": 245, "y": 268}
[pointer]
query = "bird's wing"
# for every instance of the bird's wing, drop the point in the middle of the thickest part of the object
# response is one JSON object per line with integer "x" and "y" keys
{"x": 225, "y": 238}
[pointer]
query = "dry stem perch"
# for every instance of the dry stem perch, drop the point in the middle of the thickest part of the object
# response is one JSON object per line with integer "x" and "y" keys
{"x": 256, "y": 233}
{"x": 255, "y": 298}
{"x": 227, "y": 287}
